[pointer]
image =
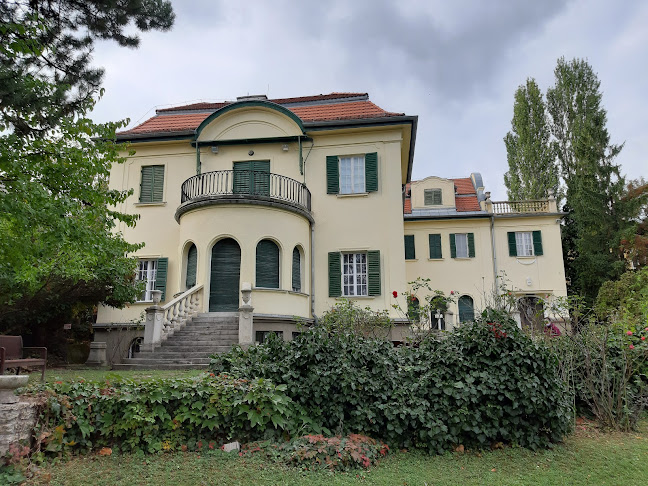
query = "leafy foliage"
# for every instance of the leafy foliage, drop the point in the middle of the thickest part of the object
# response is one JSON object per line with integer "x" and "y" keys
{"x": 533, "y": 172}
{"x": 163, "y": 414}
{"x": 475, "y": 387}
{"x": 347, "y": 316}
{"x": 49, "y": 44}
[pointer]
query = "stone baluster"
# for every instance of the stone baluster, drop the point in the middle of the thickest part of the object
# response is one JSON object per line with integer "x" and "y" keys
{"x": 246, "y": 327}
{"x": 154, "y": 323}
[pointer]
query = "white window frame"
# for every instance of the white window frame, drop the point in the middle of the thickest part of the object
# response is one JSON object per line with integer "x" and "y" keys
{"x": 147, "y": 272}
{"x": 355, "y": 276}
{"x": 352, "y": 179}
{"x": 464, "y": 238}
{"x": 524, "y": 243}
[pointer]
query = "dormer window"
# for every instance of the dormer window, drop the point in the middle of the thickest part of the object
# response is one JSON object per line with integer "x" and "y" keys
{"x": 433, "y": 197}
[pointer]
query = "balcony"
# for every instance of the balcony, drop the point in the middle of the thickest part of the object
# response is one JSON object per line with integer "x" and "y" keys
{"x": 522, "y": 207}
{"x": 244, "y": 187}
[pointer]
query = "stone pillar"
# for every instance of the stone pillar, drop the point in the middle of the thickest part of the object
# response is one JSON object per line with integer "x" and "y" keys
{"x": 17, "y": 417}
{"x": 154, "y": 323}
{"x": 246, "y": 332}
{"x": 97, "y": 357}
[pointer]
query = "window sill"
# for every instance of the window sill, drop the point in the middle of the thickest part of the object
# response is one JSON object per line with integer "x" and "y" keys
{"x": 356, "y": 297}
{"x": 435, "y": 259}
{"x": 463, "y": 258}
{"x": 411, "y": 259}
{"x": 160, "y": 203}
{"x": 354, "y": 194}
{"x": 296, "y": 292}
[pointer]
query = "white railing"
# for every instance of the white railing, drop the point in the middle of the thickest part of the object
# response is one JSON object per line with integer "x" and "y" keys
{"x": 177, "y": 312}
{"x": 513, "y": 207}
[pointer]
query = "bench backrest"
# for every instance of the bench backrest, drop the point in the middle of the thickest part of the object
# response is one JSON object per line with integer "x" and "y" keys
{"x": 13, "y": 346}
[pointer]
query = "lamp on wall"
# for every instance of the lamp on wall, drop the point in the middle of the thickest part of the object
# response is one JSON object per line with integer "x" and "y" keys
{"x": 285, "y": 147}
{"x": 214, "y": 149}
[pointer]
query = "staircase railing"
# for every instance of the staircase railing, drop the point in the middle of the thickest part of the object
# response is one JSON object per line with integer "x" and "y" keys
{"x": 179, "y": 310}
{"x": 162, "y": 322}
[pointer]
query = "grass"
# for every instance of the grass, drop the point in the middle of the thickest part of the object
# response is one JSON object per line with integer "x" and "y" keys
{"x": 93, "y": 374}
{"x": 586, "y": 458}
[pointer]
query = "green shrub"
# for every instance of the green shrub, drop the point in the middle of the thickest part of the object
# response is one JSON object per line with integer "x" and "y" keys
{"x": 162, "y": 414}
{"x": 484, "y": 383}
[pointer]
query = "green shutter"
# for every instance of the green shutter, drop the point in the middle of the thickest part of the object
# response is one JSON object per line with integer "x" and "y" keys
{"x": 436, "y": 197}
{"x": 466, "y": 309}
{"x": 242, "y": 177}
{"x": 432, "y": 197}
{"x": 296, "y": 270}
{"x": 511, "y": 243}
{"x": 435, "y": 246}
{"x": 161, "y": 276}
{"x": 471, "y": 245}
{"x": 192, "y": 263}
{"x": 371, "y": 172}
{"x": 224, "y": 287}
{"x": 453, "y": 246}
{"x": 261, "y": 177}
{"x": 267, "y": 265}
{"x": 152, "y": 183}
{"x": 373, "y": 271}
{"x": 537, "y": 243}
{"x": 335, "y": 274}
{"x": 332, "y": 174}
{"x": 410, "y": 252}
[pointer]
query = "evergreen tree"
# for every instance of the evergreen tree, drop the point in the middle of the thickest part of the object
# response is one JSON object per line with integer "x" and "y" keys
{"x": 594, "y": 184}
{"x": 533, "y": 171}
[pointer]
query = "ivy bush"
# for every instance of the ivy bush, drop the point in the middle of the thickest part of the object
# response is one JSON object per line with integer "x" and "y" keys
{"x": 485, "y": 383}
{"x": 163, "y": 414}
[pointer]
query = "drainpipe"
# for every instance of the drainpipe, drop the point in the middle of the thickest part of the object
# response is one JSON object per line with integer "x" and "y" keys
{"x": 197, "y": 159}
{"x": 489, "y": 208}
{"x": 312, "y": 272}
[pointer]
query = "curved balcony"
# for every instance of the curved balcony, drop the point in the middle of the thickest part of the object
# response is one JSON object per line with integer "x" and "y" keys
{"x": 244, "y": 187}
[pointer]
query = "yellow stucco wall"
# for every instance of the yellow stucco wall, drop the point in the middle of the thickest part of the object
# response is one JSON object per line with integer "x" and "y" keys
{"x": 447, "y": 192}
{"x": 370, "y": 221}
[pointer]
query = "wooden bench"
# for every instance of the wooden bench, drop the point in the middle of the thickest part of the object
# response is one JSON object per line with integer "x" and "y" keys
{"x": 11, "y": 355}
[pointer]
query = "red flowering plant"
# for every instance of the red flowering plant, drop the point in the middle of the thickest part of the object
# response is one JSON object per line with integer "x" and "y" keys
{"x": 419, "y": 311}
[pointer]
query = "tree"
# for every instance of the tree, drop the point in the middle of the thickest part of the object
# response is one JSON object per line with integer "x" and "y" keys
{"x": 533, "y": 171}
{"x": 52, "y": 41}
{"x": 594, "y": 185}
{"x": 634, "y": 240}
{"x": 59, "y": 252}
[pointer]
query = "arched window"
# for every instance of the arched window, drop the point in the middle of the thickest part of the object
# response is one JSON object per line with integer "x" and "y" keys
{"x": 192, "y": 263}
{"x": 296, "y": 270}
{"x": 466, "y": 309}
{"x": 267, "y": 265}
{"x": 413, "y": 309}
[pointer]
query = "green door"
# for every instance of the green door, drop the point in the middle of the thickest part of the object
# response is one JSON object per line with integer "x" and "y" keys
{"x": 225, "y": 276}
{"x": 252, "y": 177}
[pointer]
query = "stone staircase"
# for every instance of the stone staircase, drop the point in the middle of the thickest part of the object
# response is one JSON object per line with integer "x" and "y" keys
{"x": 190, "y": 347}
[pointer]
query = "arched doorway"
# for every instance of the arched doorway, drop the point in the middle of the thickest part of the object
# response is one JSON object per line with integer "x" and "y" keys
{"x": 225, "y": 276}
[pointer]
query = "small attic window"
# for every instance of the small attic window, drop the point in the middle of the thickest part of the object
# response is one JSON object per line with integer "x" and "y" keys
{"x": 432, "y": 197}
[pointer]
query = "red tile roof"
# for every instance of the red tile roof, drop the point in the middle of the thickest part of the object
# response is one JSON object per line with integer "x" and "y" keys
{"x": 467, "y": 203}
{"x": 407, "y": 204}
{"x": 464, "y": 186}
{"x": 178, "y": 120}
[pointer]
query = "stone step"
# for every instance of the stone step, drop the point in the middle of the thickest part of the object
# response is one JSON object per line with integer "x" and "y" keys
{"x": 159, "y": 366}
{"x": 214, "y": 331}
{"x": 206, "y": 338}
{"x": 148, "y": 361}
{"x": 204, "y": 350}
{"x": 161, "y": 354}
{"x": 196, "y": 345}
{"x": 211, "y": 327}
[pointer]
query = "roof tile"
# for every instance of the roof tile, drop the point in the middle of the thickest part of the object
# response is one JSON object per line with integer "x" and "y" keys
{"x": 464, "y": 186}
{"x": 467, "y": 203}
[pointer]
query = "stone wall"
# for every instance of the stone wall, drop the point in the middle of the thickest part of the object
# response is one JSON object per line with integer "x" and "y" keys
{"x": 17, "y": 415}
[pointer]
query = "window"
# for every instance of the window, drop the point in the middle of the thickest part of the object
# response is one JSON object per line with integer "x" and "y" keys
{"x": 153, "y": 272}
{"x": 462, "y": 245}
{"x": 152, "y": 184}
{"x": 432, "y": 197}
{"x": 466, "y": 309}
{"x": 525, "y": 243}
{"x": 261, "y": 336}
{"x": 352, "y": 174}
{"x": 435, "y": 246}
{"x": 354, "y": 274}
{"x": 192, "y": 264}
{"x": 267, "y": 265}
{"x": 410, "y": 252}
{"x": 296, "y": 270}
{"x": 252, "y": 177}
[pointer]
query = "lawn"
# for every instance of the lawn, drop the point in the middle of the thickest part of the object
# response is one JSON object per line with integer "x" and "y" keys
{"x": 93, "y": 374}
{"x": 587, "y": 457}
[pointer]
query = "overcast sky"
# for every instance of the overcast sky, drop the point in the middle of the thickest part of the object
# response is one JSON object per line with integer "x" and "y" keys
{"x": 454, "y": 64}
